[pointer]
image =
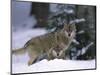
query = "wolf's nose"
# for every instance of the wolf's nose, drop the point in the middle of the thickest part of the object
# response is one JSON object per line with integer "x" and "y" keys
{"x": 68, "y": 34}
{"x": 57, "y": 54}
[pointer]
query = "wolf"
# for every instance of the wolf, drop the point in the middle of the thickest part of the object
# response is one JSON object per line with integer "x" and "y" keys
{"x": 53, "y": 44}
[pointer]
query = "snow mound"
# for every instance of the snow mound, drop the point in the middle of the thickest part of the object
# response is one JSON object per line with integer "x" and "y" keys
{"x": 53, "y": 65}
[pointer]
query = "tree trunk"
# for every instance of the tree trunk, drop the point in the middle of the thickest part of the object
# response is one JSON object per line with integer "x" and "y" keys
{"x": 41, "y": 12}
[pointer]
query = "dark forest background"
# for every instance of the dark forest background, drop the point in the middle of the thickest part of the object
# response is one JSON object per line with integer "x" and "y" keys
{"x": 85, "y": 20}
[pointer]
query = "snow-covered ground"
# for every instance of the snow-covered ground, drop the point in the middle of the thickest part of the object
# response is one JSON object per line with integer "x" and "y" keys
{"x": 53, "y": 65}
{"x": 19, "y": 63}
{"x": 22, "y": 32}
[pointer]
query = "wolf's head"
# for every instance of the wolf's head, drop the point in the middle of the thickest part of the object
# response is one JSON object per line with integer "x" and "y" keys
{"x": 69, "y": 30}
{"x": 57, "y": 52}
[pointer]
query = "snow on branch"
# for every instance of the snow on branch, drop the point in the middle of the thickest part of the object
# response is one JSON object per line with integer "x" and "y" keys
{"x": 77, "y": 20}
{"x": 84, "y": 49}
{"x": 81, "y": 32}
{"x": 75, "y": 41}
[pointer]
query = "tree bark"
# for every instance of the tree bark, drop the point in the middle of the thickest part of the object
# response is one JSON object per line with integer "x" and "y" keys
{"x": 41, "y": 12}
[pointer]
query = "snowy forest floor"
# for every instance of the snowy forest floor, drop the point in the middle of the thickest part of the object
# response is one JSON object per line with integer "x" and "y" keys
{"x": 19, "y": 63}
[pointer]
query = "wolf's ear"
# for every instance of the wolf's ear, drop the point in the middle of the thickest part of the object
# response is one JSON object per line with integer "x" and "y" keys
{"x": 72, "y": 23}
{"x": 74, "y": 26}
{"x": 65, "y": 26}
{"x": 69, "y": 24}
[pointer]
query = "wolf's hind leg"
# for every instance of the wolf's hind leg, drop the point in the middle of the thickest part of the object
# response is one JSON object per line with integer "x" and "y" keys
{"x": 33, "y": 57}
{"x": 32, "y": 61}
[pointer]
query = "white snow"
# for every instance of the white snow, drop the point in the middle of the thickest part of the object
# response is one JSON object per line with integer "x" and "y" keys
{"x": 53, "y": 65}
{"x": 77, "y": 20}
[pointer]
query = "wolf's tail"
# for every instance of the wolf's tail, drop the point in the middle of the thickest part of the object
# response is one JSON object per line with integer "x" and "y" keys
{"x": 19, "y": 51}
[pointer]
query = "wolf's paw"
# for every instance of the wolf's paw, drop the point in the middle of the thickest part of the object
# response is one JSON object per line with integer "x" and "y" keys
{"x": 30, "y": 63}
